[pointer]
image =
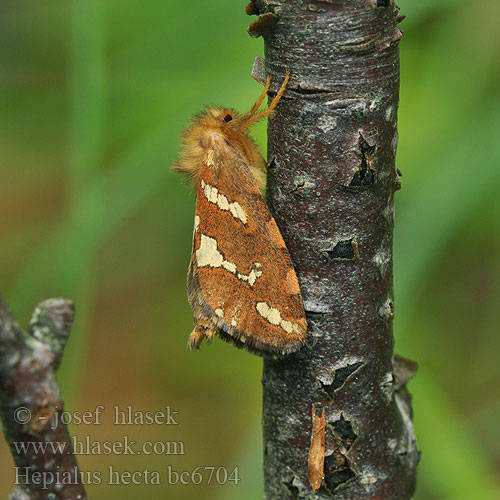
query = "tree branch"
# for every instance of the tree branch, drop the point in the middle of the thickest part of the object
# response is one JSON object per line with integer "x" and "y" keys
{"x": 331, "y": 180}
{"x": 30, "y": 398}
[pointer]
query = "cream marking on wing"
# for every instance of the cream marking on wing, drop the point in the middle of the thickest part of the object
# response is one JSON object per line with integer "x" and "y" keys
{"x": 219, "y": 312}
{"x": 223, "y": 203}
{"x": 252, "y": 276}
{"x": 213, "y": 196}
{"x": 230, "y": 266}
{"x": 237, "y": 212}
{"x": 273, "y": 315}
{"x": 208, "y": 255}
{"x": 196, "y": 222}
{"x": 210, "y": 158}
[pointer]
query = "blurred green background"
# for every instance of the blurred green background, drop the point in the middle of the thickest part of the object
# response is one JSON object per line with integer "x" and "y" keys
{"x": 93, "y": 95}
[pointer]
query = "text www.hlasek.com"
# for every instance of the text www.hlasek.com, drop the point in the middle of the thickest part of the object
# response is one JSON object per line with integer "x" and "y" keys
{"x": 89, "y": 447}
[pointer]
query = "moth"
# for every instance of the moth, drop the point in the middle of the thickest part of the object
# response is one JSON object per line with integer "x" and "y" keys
{"x": 241, "y": 281}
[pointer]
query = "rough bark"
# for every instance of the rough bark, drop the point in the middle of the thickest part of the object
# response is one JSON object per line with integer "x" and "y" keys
{"x": 30, "y": 398}
{"x": 331, "y": 181}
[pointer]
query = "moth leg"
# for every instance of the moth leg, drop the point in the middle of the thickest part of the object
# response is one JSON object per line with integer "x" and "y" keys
{"x": 203, "y": 329}
{"x": 210, "y": 334}
{"x": 195, "y": 338}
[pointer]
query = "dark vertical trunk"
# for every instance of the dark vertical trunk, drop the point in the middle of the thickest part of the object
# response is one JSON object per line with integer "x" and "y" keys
{"x": 331, "y": 181}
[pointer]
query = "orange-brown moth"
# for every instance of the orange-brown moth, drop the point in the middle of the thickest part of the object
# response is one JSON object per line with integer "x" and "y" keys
{"x": 241, "y": 281}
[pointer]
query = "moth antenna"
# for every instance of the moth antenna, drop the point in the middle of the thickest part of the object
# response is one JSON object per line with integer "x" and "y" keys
{"x": 269, "y": 111}
{"x": 256, "y": 106}
{"x": 243, "y": 118}
{"x": 277, "y": 97}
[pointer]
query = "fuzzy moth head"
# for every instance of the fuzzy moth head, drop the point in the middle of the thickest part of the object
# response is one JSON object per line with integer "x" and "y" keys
{"x": 219, "y": 136}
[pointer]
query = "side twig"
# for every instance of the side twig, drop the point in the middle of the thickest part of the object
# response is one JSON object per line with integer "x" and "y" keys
{"x": 45, "y": 466}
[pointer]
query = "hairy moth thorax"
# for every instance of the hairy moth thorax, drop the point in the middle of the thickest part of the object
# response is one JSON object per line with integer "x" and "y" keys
{"x": 241, "y": 281}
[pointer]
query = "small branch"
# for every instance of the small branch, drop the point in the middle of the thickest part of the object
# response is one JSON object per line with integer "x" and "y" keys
{"x": 30, "y": 400}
